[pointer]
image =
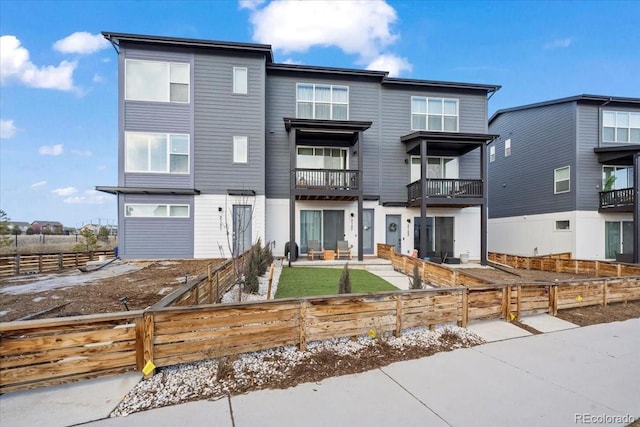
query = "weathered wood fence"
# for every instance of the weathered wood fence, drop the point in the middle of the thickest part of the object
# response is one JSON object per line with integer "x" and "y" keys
{"x": 13, "y": 265}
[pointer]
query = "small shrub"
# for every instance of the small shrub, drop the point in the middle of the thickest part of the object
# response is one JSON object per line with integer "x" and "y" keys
{"x": 344, "y": 286}
{"x": 416, "y": 281}
{"x": 257, "y": 251}
{"x": 267, "y": 254}
{"x": 251, "y": 283}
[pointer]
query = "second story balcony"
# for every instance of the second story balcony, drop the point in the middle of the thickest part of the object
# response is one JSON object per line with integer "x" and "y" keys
{"x": 337, "y": 184}
{"x": 621, "y": 200}
{"x": 446, "y": 191}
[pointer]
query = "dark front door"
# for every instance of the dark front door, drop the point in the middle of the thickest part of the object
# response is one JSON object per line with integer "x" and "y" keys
{"x": 333, "y": 228}
{"x": 367, "y": 231}
{"x": 392, "y": 225}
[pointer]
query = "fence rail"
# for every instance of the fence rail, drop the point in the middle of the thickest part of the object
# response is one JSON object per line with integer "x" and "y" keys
{"x": 13, "y": 265}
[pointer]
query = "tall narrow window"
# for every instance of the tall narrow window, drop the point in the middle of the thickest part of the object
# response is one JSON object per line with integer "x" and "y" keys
{"x": 492, "y": 153}
{"x": 562, "y": 180}
{"x": 240, "y": 80}
{"x": 507, "y": 147}
{"x": 240, "y": 149}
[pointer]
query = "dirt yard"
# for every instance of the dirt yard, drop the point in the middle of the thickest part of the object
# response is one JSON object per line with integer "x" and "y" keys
{"x": 73, "y": 293}
{"x": 522, "y": 276}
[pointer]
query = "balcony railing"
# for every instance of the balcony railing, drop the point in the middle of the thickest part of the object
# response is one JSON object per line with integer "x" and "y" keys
{"x": 448, "y": 188}
{"x": 327, "y": 179}
{"x": 622, "y": 198}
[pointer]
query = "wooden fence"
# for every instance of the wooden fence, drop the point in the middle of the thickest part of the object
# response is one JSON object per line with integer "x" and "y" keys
{"x": 563, "y": 263}
{"x": 50, "y": 351}
{"x": 13, "y": 265}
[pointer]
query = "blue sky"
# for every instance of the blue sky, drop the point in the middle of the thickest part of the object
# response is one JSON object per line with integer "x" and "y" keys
{"x": 58, "y": 100}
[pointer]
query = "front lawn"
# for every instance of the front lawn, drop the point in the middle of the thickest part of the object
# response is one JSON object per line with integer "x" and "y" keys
{"x": 310, "y": 281}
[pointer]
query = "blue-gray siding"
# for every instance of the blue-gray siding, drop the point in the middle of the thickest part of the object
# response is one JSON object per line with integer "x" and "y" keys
{"x": 542, "y": 140}
{"x": 155, "y": 238}
{"x": 220, "y": 115}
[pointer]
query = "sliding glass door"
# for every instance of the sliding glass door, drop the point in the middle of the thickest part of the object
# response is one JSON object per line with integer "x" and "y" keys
{"x": 325, "y": 226}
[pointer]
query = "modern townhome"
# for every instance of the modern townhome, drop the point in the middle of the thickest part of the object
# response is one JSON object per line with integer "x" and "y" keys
{"x": 220, "y": 146}
{"x": 563, "y": 177}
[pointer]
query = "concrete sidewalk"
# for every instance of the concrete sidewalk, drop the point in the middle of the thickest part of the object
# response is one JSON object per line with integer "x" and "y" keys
{"x": 554, "y": 379}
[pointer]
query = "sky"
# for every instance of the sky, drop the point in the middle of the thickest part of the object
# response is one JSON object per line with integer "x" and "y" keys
{"x": 58, "y": 76}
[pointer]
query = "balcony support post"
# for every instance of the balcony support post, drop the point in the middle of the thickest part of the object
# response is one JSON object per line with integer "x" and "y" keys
{"x": 292, "y": 196}
{"x": 636, "y": 208}
{"x": 483, "y": 206}
{"x": 423, "y": 198}
{"x": 360, "y": 199}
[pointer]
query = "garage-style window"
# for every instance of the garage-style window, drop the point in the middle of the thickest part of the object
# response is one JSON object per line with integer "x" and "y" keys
{"x": 156, "y": 211}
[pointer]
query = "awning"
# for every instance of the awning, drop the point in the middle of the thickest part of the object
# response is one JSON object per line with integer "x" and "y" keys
{"x": 446, "y": 143}
{"x": 148, "y": 190}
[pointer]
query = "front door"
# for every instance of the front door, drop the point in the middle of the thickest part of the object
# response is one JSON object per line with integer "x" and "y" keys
{"x": 392, "y": 225}
{"x": 439, "y": 236}
{"x": 367, "y": 231}
{"x": 618, "y": 238}
{"x": 241, "y": 228}
{"x": 333, "y": 228}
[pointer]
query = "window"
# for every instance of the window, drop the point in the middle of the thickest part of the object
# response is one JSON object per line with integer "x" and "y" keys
{"x": 239, "y": 80}
{"x": 326, "y": 102}
{"x": 156, "y": 211}
{"x": 156, "y": 81}
{"x": 437, "y": 114}
{"x": 492, "y": 153}
{"x": 240, "y": 149}
{"x": 507, "y": 147}
{"x": 616, "y": 177}
{"x": 437, "y": 168}
{"x": 563, "y": 225}
{"x": 321, "y": 158}
{"x": 156, "y": 152}
{"x": 562, "y": 179}
{"x": 620, "y": 126}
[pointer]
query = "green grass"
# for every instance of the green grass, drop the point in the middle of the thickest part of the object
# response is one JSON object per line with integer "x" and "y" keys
{"x": 309, "y": 281}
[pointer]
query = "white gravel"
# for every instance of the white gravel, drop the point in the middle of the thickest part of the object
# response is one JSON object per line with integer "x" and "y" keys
{"x": 232, "y": 295}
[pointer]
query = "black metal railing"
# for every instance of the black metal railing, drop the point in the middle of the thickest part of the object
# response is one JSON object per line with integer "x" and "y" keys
{"x": 327, "y": 179}
{"x": 445, "y": 188}
{"x": 617, "y": 198}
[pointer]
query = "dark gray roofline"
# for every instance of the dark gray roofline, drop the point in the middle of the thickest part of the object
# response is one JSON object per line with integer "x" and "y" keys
{"x": 325, "y": 70}
{"x": 584, "y": 97}
{"x": 434, "y": 83}
{"x": 147, "y": 190}
{"x": 186, "y": 42}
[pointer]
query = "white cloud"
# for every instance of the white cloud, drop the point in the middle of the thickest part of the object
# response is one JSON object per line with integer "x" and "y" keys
{"x": 101, "y": 168}
{"x": 292, "y": 61}
{"x": 66, "y": 191}
{"x": 97, "y": 78}
{"x": 54, "y": 150}
{"x": 361, "y": 28}
{"x": 16, "y": 65}
{"x": 90, "y": 197}
{"x": 391, "y": 63}
{"x": 38, "y": 184}
{"x": 559, "y": 43}
{"x": 82, "y": 43}
{"x": 82, "y": 153}
{"x": 7, "y": 129}
{"x": 250, "y": 4}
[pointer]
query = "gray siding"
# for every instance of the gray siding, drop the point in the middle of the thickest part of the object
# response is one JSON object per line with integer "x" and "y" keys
{"x": 155, "y": 238}
{"x": 220, "y": 115}
{"x": 542, "y": 139}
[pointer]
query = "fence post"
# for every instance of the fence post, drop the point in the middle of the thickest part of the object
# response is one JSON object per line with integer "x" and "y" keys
{"x": 210, "y": 279}
{"x": 398, "y": 330}
{"x": 147, "y": 342}
{"x": 518, "y": 302}
{"x": 553, "y": 300}
{"x": 270, "y": 281}
{"x": 597, "y": 264}
{"x": 604, "y": 292}
{"x": 39, "y": 263}
{"x": 505, "y": 303}
{"x": 303, "y": 326}
{"x": 464, "y": 318}
{"x": 60, "y": 261}
{"x": 16, "y": 266}
{"x": 619, "y": 270}
{"x": 140, "y": 343}
{"x": 217, "y": 286}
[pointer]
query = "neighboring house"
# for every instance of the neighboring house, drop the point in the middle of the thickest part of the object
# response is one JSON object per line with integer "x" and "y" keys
{"x": 22, "y": 226}
{"x": 563, "y": 177}
{"x": 220, "y": 146}
{"x": 47, "y": 227}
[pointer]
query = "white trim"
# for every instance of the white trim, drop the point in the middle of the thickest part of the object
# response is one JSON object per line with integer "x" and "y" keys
{"x": 568, "y": 221}
{"x": 168, "y": 81}
{"x": 492, "y": 154}
{"x": 617, "y": 126}
{"x": 240, "y": 139}
{"x": 237, "y": 83}
{"x": 507, "y": 147}
{"x": 168, "y": 211}
{"x": 168, "y": 154}
{"x": 442, "y": 115}
{"x": 556, "y": 181}
{"x": 314, "y": 102}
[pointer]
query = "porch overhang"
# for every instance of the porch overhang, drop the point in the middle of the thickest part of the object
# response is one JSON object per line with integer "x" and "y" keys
{"x": 453, "y": 144}
{"x": 617, "y": 156}
{"x": 325, "y": 132}
{"x": 148, "y": 190}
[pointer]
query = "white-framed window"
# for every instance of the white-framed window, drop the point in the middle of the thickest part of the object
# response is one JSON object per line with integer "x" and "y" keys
{"x": 145, "y": 210}
{"x": 156, "y": 152}
{"x": 562, "y": 180}
{"x": 240, "y": 80}
{"x": 434, "y": 114}
{"x": 617, "y": 177}
{"x": 321, "y": 158}
{"x": 156, "y": 81}
{"x": 437, "y": 168}
{"x": 492, "y": 153}
{"x": 507, "y": 147}
{"x": 240, "y": 149}
{"x": 620, "y": 126}
{"x": 317, "y": 101}
{"x": 563, "y": 225}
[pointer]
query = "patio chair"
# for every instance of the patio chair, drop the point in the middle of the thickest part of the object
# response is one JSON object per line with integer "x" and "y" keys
{"x": 343, "y": 249}
{"x": 314, "y": 249}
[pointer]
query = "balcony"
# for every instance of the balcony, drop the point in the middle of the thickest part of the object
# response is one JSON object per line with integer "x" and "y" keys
{"x": 328, "y": 184}
{"x": 617, "y": 200}
{"x": 446, "y": 191}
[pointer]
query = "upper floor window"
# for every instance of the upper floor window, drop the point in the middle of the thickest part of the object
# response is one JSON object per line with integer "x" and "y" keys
{"x": 240, "y": 85}
{"x": 326, "y": 102}
{"x": 240, "y": 149}
{"x": 156, "y": 81}
{"x": 620, "y": 126}
{"x": 507, "y": 147}
{"x": 437, "y": 168}
{"x": 617, "y": 177}
{"x": 562, "y": 180}
{"x": 156, "y": 211}
{"x": 434, "y": 114}
{"x": 156, "y": 152}
{"x": 492, "y": 153}
{"x": 321, "y": 158}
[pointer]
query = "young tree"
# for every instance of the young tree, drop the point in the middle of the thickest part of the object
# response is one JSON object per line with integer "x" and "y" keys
{"x": 5, "y": 240}
{"x": 103, "y": 234}
{"x": 416, "y": 282}
{"x": 15, "y": 230}
{"x": 344, "y": 286}
{"x": 90, "y": 240}
{"x": 30, "y": 231}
